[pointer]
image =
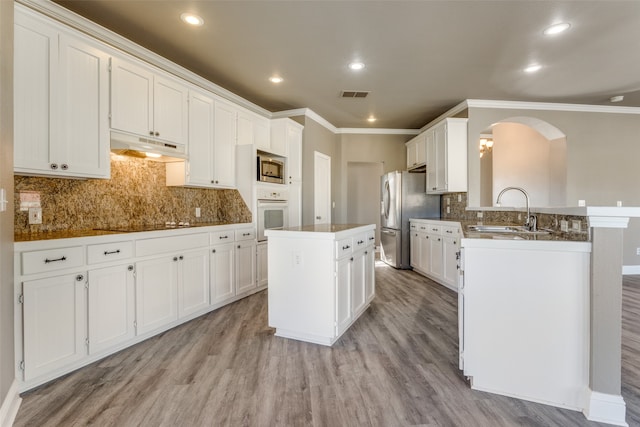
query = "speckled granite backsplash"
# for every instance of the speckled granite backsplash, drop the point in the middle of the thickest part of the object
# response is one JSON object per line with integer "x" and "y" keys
{"x": 458, "y": 211}
{"x": 135, "y": 195}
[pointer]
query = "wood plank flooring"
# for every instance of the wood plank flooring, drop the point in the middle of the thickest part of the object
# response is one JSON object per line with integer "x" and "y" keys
{"x": 396, "y": 366}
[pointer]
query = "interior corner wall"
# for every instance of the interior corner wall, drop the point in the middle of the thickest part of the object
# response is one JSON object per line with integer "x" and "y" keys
{"x": 602, "y": 154}
{"x": 7, "y": 371}
{"x": 386, "y": 149}
{"x": 316, "y": 137}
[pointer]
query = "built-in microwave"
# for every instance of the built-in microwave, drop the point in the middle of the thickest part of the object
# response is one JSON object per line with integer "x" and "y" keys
{"x": 270, "y": 169}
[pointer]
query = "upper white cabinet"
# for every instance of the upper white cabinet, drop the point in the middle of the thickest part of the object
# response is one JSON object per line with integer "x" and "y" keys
{"x": 416, "y": 151}
{"x": 447, "y": 156}
{"x": 282, "y": 131}
{"x": 212, "y": 145}
{"x": 61, "y": 101}
{"x": 147, "y": 102}
{"x": 253, "y": 130}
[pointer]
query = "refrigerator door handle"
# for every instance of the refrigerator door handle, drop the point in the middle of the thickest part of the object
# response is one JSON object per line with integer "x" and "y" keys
{"x": 387, "y": 200}
{"x": 393, "y": 233}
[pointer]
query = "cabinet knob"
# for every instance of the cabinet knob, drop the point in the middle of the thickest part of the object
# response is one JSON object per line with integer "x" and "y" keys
{"x": 157, "y": 133}
{"x": 151, "y": 132}
{"x": 175, "y": 258}
{"x": 79, "y": 278}
{"x": 130, "y": 268}
{"x": 213, "y": 182}
{"x": 351, "y": 259}
{"x": 213, "y": 251}
{"x": 181, "y": 257}
{"x": 53, "y": 166}
{"x": 238, "y": 246}
{"x": 64, "y": 166}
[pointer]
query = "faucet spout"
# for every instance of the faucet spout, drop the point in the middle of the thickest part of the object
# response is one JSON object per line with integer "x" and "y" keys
{"x": 530, "y": 223}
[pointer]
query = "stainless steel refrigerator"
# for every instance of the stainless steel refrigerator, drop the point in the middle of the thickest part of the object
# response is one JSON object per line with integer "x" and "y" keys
{"x": 403, "y": 197}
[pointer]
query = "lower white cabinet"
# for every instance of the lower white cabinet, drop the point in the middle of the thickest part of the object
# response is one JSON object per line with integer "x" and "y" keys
{"x": 111, "y": 311}
{"x": 222, "y": 274}
{"x": 435, "y": 250}
{"x": 344, "y": 282}
{"x": 262, "y": 265}
{"x": 54, "y": 323}
{"x": 156, "y": 293}
{"x": 80, "y": 300}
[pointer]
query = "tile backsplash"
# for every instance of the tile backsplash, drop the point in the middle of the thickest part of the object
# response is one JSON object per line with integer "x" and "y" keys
{"x": 136, "y": 194}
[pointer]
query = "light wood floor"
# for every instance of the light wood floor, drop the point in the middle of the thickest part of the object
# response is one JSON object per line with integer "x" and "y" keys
{"x": 396, "y": 366}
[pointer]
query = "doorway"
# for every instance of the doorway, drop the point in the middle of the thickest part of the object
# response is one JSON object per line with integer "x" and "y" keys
{"x": 321, "y": 188}
{"x": 363, "y": 194}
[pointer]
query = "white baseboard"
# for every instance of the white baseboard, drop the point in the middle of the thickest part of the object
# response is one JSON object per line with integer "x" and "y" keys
{"x": 606, "y": 408}
{"x": 10, "y": 406}
{"x": 630, "y": 269}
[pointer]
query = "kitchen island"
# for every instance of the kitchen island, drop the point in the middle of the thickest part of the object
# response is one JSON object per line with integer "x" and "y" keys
{"x": 321, "y": 279}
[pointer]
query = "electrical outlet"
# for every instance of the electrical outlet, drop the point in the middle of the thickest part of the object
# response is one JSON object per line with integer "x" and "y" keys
{"x": 564, "y": 225}
{"x": 297, "y": 259}
{"x": 35, "y": 215}
{"x": 197, "y": 212}
{"x": 448, "y": 209}
{"x": 576, "y": 225}
{"x": 637, "y": 251}
{"x": 479, "y": 214}
{"x": 459, "y": 198}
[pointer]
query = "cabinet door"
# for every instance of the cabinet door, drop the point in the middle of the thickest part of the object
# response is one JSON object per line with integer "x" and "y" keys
{"x": 421, "y": 149}
{"x": 156, "y": 293}
{"x": 435, "y": 267}
{"x": 201, "y": 139}
{"x": 83, "y": 144}
{"x": 440, "y": 138}
{"x": 369, "y": 274}
{"x": 411, "y": 154}
{"x": 224, "y": 157}
{"x": 295, "y": 204}
{"x": 262, "y": 264}
{"x": 245, "y": 267}
{"x": 193, "y": 286}
{"x": 131, "y": 98}
{"x": 34, "y": 77}
{"x": 432, "y": 162}
{"x": 222, "y": 268}
{"x": 245, "y": 129}
{"x": 55, "y": 323}
{"x": 343, "y": 294}
{"x": 294, "y": 161}
{"x": 358, "y": 283}
{"x": 414, "y": 250}
{"x": 425, "y": 252}
{"x": 262, "y": 133}
{"x": 170, "y": 110}
{"x": 111, "y": 307}
{"x": 451, "y": 246}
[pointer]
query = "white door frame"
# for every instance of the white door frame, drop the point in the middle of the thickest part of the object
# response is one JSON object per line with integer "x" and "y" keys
{"x": 321, "y": 186}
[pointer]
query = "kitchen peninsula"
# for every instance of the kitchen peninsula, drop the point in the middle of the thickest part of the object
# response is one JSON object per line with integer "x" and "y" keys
{"x": 321, "y": 279}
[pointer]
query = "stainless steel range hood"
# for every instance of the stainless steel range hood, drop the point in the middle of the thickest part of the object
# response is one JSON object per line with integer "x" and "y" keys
{"x": 148, "y": 148}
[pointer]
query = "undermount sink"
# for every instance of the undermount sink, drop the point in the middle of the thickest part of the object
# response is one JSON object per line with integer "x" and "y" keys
{"x": 504, "y": 229}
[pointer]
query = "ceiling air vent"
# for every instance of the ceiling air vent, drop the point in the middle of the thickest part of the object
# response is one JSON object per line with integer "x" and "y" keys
{"x": 354, "y": 94}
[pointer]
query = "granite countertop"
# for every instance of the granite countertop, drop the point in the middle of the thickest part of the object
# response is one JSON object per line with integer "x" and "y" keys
{"x": 554, "y": 235}
{"x": 68, "y": 234}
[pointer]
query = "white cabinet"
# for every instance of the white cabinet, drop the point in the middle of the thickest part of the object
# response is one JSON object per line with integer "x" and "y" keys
{"x": 54, "y": 323}
{"x": 111, "y": 310}
{"x": 435, "y": 250}
{"x": 447, "y": 156}
{"x": 294, "y": 172}
{"x": 282, "y": 132}
{"x": 262, "y": 265}
{"x": 245, "y": 266}
{"x": 212, "y": 145}
{"x": 148, "y": 102}
{"x": 416, "y": 152}
{"x": 193, "y": 282}
{"x": 253, "y": 130}
{"x": 61, "y": 92}
{"x": 337, "y": 270}
{"x": 222, "y": 279}
{"x": 156, "y": 293}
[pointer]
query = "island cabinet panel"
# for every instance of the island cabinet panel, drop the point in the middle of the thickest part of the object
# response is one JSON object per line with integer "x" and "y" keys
{"x": 320, "y": 282}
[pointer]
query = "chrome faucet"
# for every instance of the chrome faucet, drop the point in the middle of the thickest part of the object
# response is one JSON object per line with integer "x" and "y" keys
{"x": 531, "y": 223}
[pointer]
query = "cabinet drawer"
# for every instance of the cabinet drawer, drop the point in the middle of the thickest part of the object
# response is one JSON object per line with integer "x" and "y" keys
{"x": 222, "y": 237}
{"x": 371, "y": 237}
{"x": 422, "y": 227}
{"x": 109, "y": 252}
{"x": 413, "y": 226}
{"x": 245, "y": 234}
{"x": 172, "y": 244}
{"x": 359, "y": 241}
{"x": 433, "y": 228}
{"x": 344, "y": 247}
{"x": 52, "y": 259}
{"x": 448, "y": 230}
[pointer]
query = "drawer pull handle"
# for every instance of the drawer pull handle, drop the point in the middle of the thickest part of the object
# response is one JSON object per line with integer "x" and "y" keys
{"x": 371, "y": 238}
{"x": 181, "y": 257}
{"x": 246, "y": 234}
{"x": 175, "y": 258}
{"x": 449, "y": 231}
{"x": 47, "y": 260}
{"x": 360, "y": 242}
{"x": 224, "y": 237}
{"x": 345, "y": 247}
{"x": 434, "y": 229}
{"x": 117, "y": 251}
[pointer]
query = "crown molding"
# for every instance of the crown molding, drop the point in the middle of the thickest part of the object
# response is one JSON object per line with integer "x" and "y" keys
{"x": 447, "y": 114}
{"x": 549, "y": 106}
{"x": 378, "y": 131}
{"x": 79, "y": 23}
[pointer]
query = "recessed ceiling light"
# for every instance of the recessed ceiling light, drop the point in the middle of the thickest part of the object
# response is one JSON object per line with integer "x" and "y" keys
{"x": 616, "y": 98}
{"x": 532, "y": 68}
{"x": 276, "y": 79}
{"x": 371, "y": 119}
{"x": 356, "y": 65}
{"x": 556, "y": 28}
{"x": 192, "y": 19}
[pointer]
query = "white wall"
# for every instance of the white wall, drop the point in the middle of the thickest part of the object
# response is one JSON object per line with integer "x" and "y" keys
{"x": 363, "y": 194}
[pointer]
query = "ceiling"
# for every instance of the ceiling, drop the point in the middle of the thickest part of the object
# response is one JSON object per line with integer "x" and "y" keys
{"x": 421, "y": 57}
